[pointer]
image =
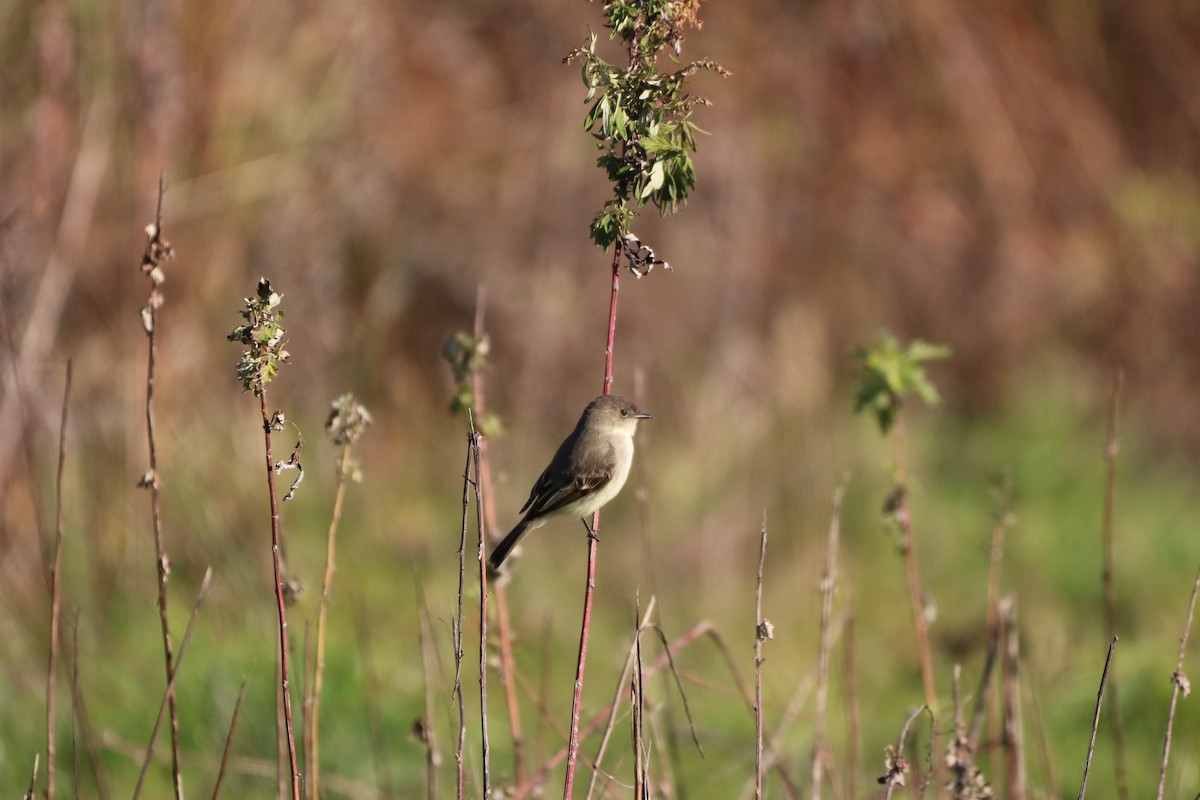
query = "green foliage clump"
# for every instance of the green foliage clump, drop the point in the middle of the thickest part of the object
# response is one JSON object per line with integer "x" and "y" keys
{"x": 641, "y": 116}
{"x": 890, "y": 372}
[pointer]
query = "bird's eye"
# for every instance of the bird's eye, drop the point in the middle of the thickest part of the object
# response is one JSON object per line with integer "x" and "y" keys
{"x": 624, "y": 412}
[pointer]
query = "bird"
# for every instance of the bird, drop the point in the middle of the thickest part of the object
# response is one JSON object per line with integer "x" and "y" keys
{"x": 587, "y": 471}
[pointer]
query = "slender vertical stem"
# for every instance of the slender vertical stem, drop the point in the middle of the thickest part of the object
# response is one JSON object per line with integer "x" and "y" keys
{"x": 590, "y": 585}
{"x": 314, "y": 715}
{"x": 427, "y": 733}
{"x": 480, "y": 556}
{"x": 162, "y": 708}
{"x": 920, "y": 625}
{"x": 1014, "y": 739}
{"x": 277, "y": 562}
{"x": 637, "y": 709}
{"x": 237, "y": 710}
{"x": 1180, "y": 684}
{"x": 56, "y": 591}
{"x": 1110, "y": 601}
{"x": 458, "y": 630}
{"x": 1087, "y": 765}
{"x": 828, "y": 584}
{"x": 508, "y": 664}
{"x": 852, "y": 717}
{"x": 156, "y": 251}
{"x": 760, "y": 634}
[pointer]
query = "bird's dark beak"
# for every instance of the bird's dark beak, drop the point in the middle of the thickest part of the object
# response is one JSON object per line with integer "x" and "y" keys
{"x": 641, "y": 415}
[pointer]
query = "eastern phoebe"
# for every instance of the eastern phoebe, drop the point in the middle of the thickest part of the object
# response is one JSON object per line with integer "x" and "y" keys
{"x": 588, "y": 470}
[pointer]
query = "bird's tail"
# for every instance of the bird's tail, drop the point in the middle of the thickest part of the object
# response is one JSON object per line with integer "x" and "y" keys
{"x": 508, "y": 543}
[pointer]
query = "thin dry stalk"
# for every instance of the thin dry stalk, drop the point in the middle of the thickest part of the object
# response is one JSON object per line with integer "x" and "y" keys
{"x": 75, "y": 755}
{"x": 904, "y": 515}
{"x": 637, "y": 708}
{"x": 82, "y": 725}
{"x": 425, "y": 727}
{"x": 29, "y": 795}
{"x": 1045, "y": 759}
{"x": 158, "y": 252}
{"x": 1111, "y": 449}
{"x": 458, "y": 630}
{"x": 1000, "y": 528}
{"x": 1087, "y": 764}
{"x": 313, "y": 750}
{"x": 966, "y": 781}
{"x": 616, "y": 701}
{"x": 1179, "y": 684}
{"x": 371, "y": 694}
{"x": 481, "y": 557}
{"x": 828, "y": 584}
{"x": 508, "y": 664}
{"x": 590, "y": 584}
{"x": 852, "y": 717}
{"x": 598, "y": 718}
{"x": 308, "y": 653}
{"x": 1014, "y": 739}
{"x": 895, "y": 764}
{"x": 162, "y": 708}
{"x": 277, "y": 562}
{"x": 56, "y": 592}
{"x": 237, "y": 710}
{"x": 762, "y": 632}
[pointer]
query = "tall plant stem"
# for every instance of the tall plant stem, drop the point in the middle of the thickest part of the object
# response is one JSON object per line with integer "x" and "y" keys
{"x": 1110, "y": 600}
{"x": 760, "y": 634}
{"x": 314, "y": 717}
{"x": 1179, "y": 684}
{"x": 590, "y": 585}
{"x": 161, "y": 561}
{"x": 508, "y": 664}
{"x": 920, "y": 626}
{"x": 56, "y": 592}
{"x": 277, "y": 562}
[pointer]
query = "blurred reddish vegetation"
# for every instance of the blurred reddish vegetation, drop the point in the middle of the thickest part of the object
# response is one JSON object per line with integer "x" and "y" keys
{"x": 1018, "y": 182}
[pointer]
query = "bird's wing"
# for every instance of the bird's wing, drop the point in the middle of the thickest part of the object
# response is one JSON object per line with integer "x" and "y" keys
{"x": 550, "y": 494}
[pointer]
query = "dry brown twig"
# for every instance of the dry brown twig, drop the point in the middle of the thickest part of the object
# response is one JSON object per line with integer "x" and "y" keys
{"x": 896, "y": 766}
{"x": 828, "y": 584}
{"x": 762, "y": 632}
{"x": 1111, "y": 448}
{"x": 1014, "y": 739}
{"x": 162, "y": 708}
{"x": 1179, "y": 685}
{"x": 1087, "y": 764}
{"x": 346, "y": 423}
{"x": 481, "y": 558}
{"x": 56, "y": 591}
{"x": 237, "y": 710}
{"x": 158, "y": 252}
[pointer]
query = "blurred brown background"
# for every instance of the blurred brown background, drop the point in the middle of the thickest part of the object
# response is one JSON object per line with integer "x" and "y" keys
{"x": 1018, "y": 181}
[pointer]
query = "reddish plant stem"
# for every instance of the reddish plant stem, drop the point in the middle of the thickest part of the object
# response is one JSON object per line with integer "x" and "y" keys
{"x": 277, "y": 561}
{"x": 56, "y": 592}
{"x": 590, "y": 585}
